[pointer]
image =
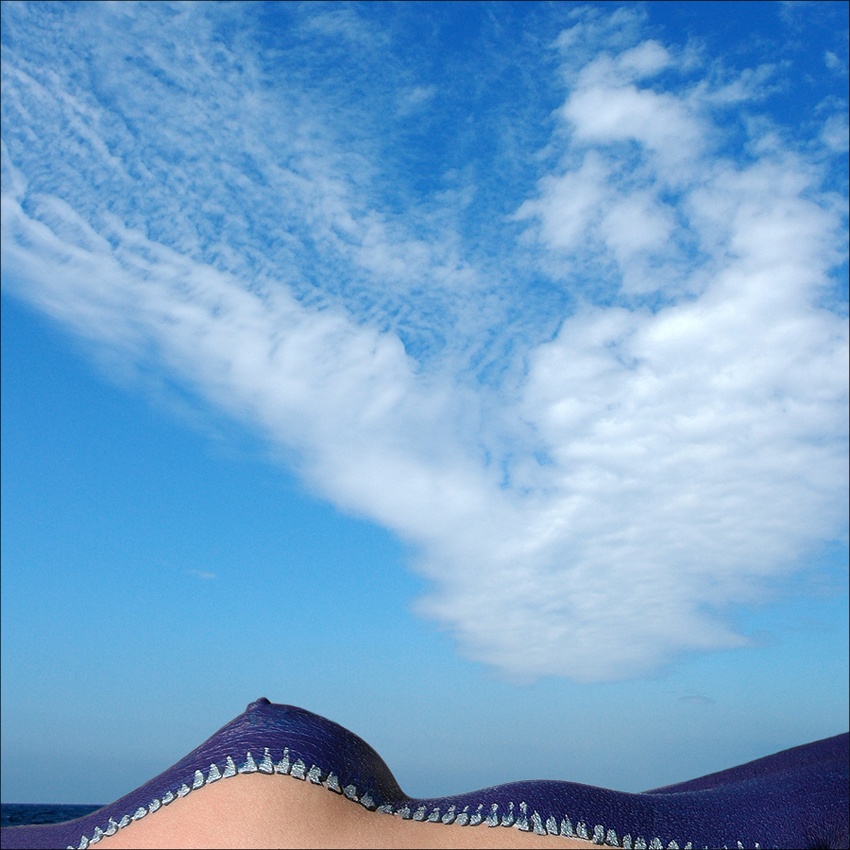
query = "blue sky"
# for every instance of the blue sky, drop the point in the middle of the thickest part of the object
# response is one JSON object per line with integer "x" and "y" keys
{"x": 472, "y": 374}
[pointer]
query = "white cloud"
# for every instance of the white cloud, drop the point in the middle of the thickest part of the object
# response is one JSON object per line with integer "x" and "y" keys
{"x": 570, "y": 204}
{"x": 750, "y": 84}
{"x": 645, "y": 459}
{"x": 836, "y": 133}
{"x": 645, "y": 60}
{"x": 834, "y": 63}
{"x": 415, "y": 98}
{"x": 342, "y": 23}
{"x": 601, "y": 113}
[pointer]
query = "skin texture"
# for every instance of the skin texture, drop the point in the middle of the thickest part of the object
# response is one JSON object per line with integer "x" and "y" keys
{"x": 288, "y": 813}
{"x": 280, "y": 776}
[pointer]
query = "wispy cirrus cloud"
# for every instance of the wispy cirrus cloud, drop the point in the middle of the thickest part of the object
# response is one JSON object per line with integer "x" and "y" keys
{"x": 603, "y": 420}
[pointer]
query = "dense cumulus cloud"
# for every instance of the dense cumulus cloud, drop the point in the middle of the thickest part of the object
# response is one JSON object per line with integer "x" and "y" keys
{"x": 593, "y": 368}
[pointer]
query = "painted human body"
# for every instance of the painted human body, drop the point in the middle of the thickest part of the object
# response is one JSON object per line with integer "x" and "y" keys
{"x": 237, "y": 790}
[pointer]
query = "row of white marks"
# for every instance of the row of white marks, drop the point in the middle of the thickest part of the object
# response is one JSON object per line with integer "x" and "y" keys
{"x": 513, "y": 815}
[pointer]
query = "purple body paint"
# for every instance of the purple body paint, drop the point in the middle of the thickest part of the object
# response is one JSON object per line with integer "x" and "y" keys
{"x": 797, "y": 798}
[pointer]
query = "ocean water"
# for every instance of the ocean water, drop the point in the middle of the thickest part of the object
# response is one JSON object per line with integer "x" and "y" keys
{"x": 21, "y": 814}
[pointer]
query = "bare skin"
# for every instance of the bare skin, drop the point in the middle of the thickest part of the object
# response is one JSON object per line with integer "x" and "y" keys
{"x": 256, "y": 811}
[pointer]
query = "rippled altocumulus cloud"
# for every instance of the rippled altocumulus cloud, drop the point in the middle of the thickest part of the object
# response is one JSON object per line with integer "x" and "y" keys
{"x": 602, "y": 419}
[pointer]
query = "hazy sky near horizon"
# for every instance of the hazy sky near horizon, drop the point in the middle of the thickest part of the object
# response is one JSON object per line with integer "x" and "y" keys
{"x": 447, "y": 369}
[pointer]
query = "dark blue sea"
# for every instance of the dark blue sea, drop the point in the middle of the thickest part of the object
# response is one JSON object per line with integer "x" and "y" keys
{"x": 20, "y": 814}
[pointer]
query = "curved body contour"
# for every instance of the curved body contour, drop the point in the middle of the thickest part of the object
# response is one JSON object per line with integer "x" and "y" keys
{"x": 797, "y": 798}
